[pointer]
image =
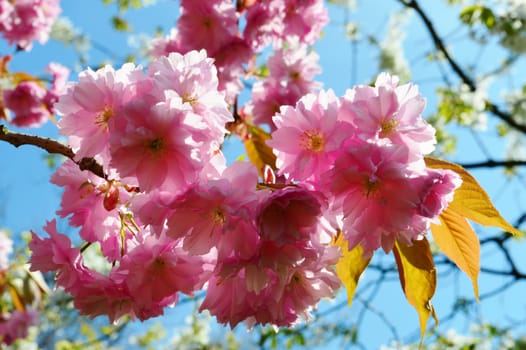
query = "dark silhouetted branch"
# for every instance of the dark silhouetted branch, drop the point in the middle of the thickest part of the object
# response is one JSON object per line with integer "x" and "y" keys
{"x": 439, "y": 44}
{"x": 494, "y": 164}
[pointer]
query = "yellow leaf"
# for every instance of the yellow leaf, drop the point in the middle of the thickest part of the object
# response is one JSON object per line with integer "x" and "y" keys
{"x": 418, "y": 278}
{"x": 18, "y": 303}
{"x": 258, "y": 152}
{"x": 470, "y": 200}
{"x": 457, "y": 240}
{"x": 350, "y": 266}
{"x": 19, "y": 77}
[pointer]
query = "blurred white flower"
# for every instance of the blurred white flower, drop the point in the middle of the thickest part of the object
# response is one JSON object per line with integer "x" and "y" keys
{"x": 392, "y": 57}
{"x": 6, "y": 248}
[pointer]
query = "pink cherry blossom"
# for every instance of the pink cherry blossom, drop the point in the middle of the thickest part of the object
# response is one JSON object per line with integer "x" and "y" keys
{"x": 229, "y": 300}
{"x": 284, "y": 21}
{"x": 437, "y": 191}
{"x": 105, "y": 296}
{"x": 56, "y": 254}
{"x": 295, "y": 67}
{"x": 290, "y": 77}
{"x": 383, "y": 197}
{"x": 390, "y": 113}
{"x": 60, "y": 76}
{"x": 305, "y": 287}
{"x": 372, "y": 186}
{"x": 309, "y": 136}
{"x": 28, "y": 20}
{"x": 264, "y": 20}
{"x": 305, "y": 19}
{"x": 259, "y": 295}
{"x": 163, "y": 46}
{"x": 89, "y": 106}
{"x": 27, "y": 102}
{"x": 230, "y": 61}
{"x": 6, "y": 11}
{"x": 152, "y": 208}
{"x": 158, "y": 269}
{"x": 218, "y": 214}
{"x": 193, "y": 78}
{"x": 290, "y": 216}
{"x": 207, "y": 25}
{"x": 15, "y": 325}
{"x": 83, "y": 202}
{"x": 267, "y": 98}
{"x": 158, "y": 145}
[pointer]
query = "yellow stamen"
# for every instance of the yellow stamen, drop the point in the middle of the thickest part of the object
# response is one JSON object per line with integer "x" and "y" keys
{"x": 219, "y": 216}
{"x": 103, "y": 117}
{"x": 371, "y": 187}
{"x": 313, "y": 141}
{"x": 155, "y": 145}
{"x": 187, "y": 98}
{"x": 388, "y": 125}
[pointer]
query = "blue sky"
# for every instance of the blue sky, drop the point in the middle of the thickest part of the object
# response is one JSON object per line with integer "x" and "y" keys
{"x": 27, "y": 199}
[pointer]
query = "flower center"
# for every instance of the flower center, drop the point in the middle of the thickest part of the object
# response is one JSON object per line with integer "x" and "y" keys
{"x": 207, "y": 22}
{"x": 187, "y": 98}
{"x": 101, "y": 120}
{"x": 388, "y": 125}
{"x": 296, "y": 278}
{"x": 313, "y": 141}
{"x": 219, "y": 216}
{"x": 155, "y": 145}
{"x": 371, "y": 186}
{"x": 295, "y": 75}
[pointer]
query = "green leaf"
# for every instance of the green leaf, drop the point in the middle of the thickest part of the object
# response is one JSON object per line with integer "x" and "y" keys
{"x": 457, "y": 240}
{"x": 470, "y": 200}
{"x": 350, "y": 266}
{"x": 120, "y": 24}
{"x": 477, "y": 13}
{"x": 418, "y": 278}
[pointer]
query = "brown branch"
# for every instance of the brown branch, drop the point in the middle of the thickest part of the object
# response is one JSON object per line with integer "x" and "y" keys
{"x": 51, "y": 146}
{"x": 439, "y": 44}
{"x": 494, "y": 164}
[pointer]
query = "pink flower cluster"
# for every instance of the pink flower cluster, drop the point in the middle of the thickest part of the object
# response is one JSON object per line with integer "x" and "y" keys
{"x": 23, "y": 21}
{"x": 366, "y": 151}
{"x": 30, "y": 102}
{"x": 215, "y": 27}
{"x": 168, "y": 215}
{"x": 15, "y": 325}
